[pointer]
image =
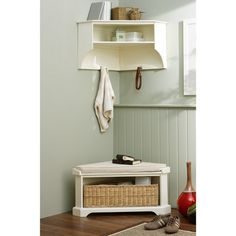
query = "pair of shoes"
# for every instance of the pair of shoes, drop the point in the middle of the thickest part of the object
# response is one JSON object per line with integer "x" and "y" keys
{"x": 172, "y": 223}
{"x": 158, "y": 222}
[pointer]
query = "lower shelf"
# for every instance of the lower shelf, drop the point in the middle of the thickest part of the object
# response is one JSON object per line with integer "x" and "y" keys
{"x": 158, "y": 210}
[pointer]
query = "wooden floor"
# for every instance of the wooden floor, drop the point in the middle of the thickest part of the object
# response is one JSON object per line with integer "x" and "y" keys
{"x": 98, "y": 224}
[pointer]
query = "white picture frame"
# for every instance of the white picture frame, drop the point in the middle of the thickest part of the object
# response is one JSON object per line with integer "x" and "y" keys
{"x": 189, "y": 57}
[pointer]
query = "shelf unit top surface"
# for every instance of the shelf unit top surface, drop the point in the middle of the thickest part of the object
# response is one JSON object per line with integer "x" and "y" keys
{"x": 115, "y": 174}
{"x": 122, "y": 42}
{"x": 122, "y": 22}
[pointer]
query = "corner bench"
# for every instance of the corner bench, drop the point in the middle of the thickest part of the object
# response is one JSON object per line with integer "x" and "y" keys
{"x": 107, "y": 171}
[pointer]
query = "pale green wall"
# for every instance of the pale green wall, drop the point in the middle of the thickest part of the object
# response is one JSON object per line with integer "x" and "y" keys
{"x": 164, "y": 86}
{"x": 69, "y": 129}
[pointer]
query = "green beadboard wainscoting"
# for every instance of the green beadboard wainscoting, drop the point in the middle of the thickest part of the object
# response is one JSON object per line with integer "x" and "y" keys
{"x": 164, "y": 134}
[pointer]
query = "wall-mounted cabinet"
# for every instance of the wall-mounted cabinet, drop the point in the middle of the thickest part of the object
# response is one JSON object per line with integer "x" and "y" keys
{"x": 96, "y": 47}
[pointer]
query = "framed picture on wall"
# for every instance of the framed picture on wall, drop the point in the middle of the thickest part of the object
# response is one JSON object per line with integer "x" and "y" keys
{"x": 189, "y": 57}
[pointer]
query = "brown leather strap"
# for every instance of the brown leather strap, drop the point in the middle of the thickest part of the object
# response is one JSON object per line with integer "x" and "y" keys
{"x": 138, "y": 78}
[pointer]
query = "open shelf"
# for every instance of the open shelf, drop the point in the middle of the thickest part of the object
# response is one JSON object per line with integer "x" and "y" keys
{"x": 96, "y": 48}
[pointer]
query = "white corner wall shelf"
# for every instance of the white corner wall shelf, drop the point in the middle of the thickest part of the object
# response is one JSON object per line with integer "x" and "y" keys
{"x": 96, "y": 48}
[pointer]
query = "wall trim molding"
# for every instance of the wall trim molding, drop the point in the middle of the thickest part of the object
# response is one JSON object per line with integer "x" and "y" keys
{"x": 156, "y": 105}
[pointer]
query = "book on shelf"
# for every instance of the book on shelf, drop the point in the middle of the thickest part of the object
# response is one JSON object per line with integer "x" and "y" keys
{"x": 95, "y": 11}
{"x": 126, "y": 162}
{"x": 106, "y": 13}
{"x": 100, "y": 11}
{"x": 124, "y": 157}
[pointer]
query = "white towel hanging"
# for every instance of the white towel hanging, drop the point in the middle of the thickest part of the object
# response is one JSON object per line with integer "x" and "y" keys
{"x": 104, "y": 100}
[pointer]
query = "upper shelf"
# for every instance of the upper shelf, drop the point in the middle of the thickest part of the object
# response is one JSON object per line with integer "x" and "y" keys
{"x": 96, "y": 48}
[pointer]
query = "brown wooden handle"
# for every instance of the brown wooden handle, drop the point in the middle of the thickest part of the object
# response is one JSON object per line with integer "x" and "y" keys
{"x": 138, "y": 78}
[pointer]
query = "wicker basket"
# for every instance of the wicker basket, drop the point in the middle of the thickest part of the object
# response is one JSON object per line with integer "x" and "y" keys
{"x": 120, "y": 195}
{"x": 134, "y": 15}
{"x": 121, "y": 13}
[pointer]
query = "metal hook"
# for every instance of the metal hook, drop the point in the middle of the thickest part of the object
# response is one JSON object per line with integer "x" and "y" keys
{"x": 138, "y": 78}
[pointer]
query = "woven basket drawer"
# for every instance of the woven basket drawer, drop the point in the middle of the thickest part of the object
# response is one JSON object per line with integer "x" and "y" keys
{"x": 120, "y": 195}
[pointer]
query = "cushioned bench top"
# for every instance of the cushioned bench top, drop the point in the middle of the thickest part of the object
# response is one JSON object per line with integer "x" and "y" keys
{"x": 109, "y": 167}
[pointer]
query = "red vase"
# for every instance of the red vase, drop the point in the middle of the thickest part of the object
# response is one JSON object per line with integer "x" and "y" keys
{"x": 188, "y": 197}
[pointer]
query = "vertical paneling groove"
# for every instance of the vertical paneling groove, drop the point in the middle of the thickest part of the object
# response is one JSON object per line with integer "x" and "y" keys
{"x": 150, "y": 135}
{"x": 167, "y": 138}
{"x": 165, "y": 135}
{"x": 158, "y": 137}
{"x": 125, "y": 129}
{"x": 115, "y": 143}
{"x": 129, "y": 132}
{"x": 133, "y": 143}
{"x": 146, "y": 134}
{"x": 117, "y": 135}
{"x": 173, "y": 153}
{"x": 183, "y": 147}
{"x": 159, "y": 134}
{"x": 122, "y": 136}
{"x": 192, "y": 142}
{"x": 155, "y": 136}
{"x": 141, "y": 138}
{"x": 137, "y": 134}
{"x": 178, "y": 145}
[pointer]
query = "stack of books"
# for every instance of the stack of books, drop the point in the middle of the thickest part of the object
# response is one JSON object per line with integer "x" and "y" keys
{"x": 100, "y": 11}
{"x": 126, "y": 160}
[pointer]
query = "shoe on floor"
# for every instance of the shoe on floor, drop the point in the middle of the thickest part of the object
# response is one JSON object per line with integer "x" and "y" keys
{"x": 157, "y": 223}
{"x": 172, "y": 225}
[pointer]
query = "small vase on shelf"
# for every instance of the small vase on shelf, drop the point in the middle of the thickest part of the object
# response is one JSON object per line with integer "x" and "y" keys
{"x": 188, "y": 197}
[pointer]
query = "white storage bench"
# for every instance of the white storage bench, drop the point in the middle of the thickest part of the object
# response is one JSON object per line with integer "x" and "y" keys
{"x": 100, "y": 178}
